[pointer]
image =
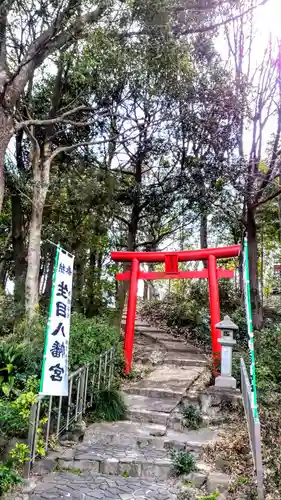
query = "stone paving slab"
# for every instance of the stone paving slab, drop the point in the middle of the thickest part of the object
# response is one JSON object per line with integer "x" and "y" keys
{"x": 124, "y": 427}
{"x": 101, "y": 451}
{"x": 135, "y": 402}
{"x": 101, "y": 487}
{"x": 152, "y": 392}
{"x": 132, "y": 463}
{"x": 174, "y": 346}
{"x": 174, "y": 379}
{"x": 170, "y": 343}
{"x": 148, "y": 329}
{"x": 185, "y": 361}
{"x": 150, "y": 416}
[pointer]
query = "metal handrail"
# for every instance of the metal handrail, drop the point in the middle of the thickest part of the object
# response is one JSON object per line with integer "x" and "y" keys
{"x": 254, "y": 429}
{"x": 82, "y": 385}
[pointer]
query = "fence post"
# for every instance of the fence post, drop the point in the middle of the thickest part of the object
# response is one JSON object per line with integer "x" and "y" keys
{"x": 81, "y": 396}
{"x": 30, "y": 439}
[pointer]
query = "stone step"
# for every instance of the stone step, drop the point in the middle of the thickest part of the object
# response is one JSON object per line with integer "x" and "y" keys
{"x": 168, "y": 378}
{"x": 142, "y": 415}
{"x": 153, "y": 392}
{"x": 183, "y": 360}
{"x": 172, "y": 360}
{"x": 90, "y": 485}
{"x": 139, "y": 435}
{"x": 146, "y": 329}
{"x": 165, "y": 337}
{"x": 174, "y": 346}
{"x": 120, "y": 459}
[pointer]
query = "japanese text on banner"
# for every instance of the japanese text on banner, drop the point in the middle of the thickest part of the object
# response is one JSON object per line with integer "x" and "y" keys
{"x": 54, "y": 380}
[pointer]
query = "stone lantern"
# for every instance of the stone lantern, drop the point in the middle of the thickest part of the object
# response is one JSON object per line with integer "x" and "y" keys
{"x": 225, "y": 379}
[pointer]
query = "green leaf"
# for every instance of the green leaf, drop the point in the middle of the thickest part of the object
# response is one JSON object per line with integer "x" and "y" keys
{"x": 6, "y": 389}
{"x": 10, "y": 367}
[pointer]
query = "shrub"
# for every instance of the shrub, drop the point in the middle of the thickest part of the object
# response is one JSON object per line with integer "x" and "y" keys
{"x": 7, "y": 314}
{"x": 182, "y": 316}
{"x": 24, "y": 349}
{"x": 199, "y": 293}
{"x": 268, "y": 357}
{"x": 14, "y": 415}
{"x": 89, "y": 338}
{"x": 241, "y": 335}
{"x": 17, "y": 363}
{"x": 192, "y": 416}
{"x": 19, "y": 455}
{"x": 8, "y": 478}
{"x": 182, "y": 462}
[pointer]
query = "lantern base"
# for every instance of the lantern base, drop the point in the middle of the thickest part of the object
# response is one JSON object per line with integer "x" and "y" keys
{"x": 224, "y": 381}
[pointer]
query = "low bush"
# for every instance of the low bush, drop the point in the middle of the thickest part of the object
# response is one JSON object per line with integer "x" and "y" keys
{"x": 89, "y": 338}
{"x": 181, "y": 316}
{"x": 184, "y": 317}
{"x": 21, "y": 353}
{"x": 8, "y": 478}
{"x": 268, "y": 358}
{"x": 7, "y": 314}
{"x": 199, "y": 293}
{"x": 192, "y": 416}
{"x": 11, "y": 422}
{"x": 182, "y": 462}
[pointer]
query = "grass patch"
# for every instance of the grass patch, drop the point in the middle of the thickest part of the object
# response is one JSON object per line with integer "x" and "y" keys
{"x": 212, "y": 496}
{"x": 77, "y": 472}
{"x": 108, "y": 405}
{"x": 182, "y": 462}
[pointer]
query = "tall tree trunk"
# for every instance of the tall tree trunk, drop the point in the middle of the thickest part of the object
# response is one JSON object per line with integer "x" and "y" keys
{"x": 4, "y": 261}
{"x": 19, "y": 250}
{"x": 49, "y": 280}
{"x": 279, "y": 200}
{"x": 41, "y": 179}
{"x": 262, "y": 269}
{"x": 145, "y": 290}
{"x": 94, "y": 299}
{"x": 253, "y": 268}
{"x": 3, "y": 272}
{"x": 203, "y": 230}
{"x": 6, "y": 133}
{"x": 79, "y": 281}
{"x": 204, "y": 233}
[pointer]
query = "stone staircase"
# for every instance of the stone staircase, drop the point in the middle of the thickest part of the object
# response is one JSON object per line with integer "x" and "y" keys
{"x": 131, "y": 459}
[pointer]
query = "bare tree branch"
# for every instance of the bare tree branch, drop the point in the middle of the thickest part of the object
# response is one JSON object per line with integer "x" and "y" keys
{"x": 53, "y": 38}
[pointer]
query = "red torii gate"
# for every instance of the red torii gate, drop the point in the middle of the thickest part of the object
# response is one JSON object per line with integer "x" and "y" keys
{"x": 171, "y": 259}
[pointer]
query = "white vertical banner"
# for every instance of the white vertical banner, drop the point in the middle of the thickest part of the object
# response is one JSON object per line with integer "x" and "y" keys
{"x": 54, "y": 378}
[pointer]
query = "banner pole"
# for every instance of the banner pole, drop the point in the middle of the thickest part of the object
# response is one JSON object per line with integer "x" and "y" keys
{"x": 60, "y": 248}
{"x": 248, "y": 307}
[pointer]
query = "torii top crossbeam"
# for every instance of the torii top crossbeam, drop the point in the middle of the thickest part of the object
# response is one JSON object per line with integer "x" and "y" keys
{"x": 185, "y": 256}
{"x": 171, "y": 259}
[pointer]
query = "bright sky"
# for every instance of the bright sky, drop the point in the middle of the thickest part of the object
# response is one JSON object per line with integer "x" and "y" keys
{"x": 266, "y": 28}
{"x": 269, "y": 18}
{"x": 267, "y": 21}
